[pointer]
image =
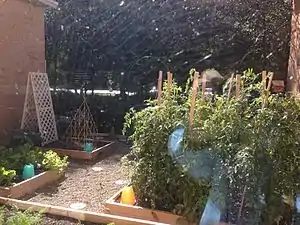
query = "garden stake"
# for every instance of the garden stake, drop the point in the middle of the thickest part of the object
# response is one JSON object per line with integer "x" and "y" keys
{"x": 203, "y": 86}
{"x": 241, "y": 207}
{"x": 268, "y": 88}
{"x": 169, "y": 80}
{"x": 193, "y": 100}
{"x": 230, "y": 86}
{"x": 264, "y": 80}
{"x": 159, "y": 87}
{"x": 238, "y": 85}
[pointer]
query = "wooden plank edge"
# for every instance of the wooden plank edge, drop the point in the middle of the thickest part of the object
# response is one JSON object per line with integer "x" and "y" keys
{"x": 31, "y": 185}
{"x": 104, "y": 146}
{"x": 75, "y": 154}
{"x": 144, "y": 213}
{"x": 102, "y": 149}
{"x": 54, "y": 175}
{"x": 30, "y": 179}
{"x": 80, "y": 154}
{"x": 115, "y": 196}
{"x": 139, "y": 208}
{"x": 75, "y": 214}
{"x": 116, "y": 208}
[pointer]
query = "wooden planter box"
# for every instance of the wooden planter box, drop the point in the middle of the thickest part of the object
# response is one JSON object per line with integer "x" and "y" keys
{"x": 80, "y": 154}
{"x": 114, "y": 207}
{"x": 29, "y": 186}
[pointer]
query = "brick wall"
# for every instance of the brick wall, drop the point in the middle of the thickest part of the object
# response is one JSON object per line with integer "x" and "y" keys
{"x": 22, "y": 50}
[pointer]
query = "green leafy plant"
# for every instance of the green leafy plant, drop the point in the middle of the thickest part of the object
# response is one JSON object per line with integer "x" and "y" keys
{"x": 256, "y": 137}
{"x": 158, "y": 182}
{"x": 2, "y": 215}
{"x": 6, "y": 176}
{"x": 27, "y": 217}
{"x": 20, "y": 155}
{"x": 258, "y": 144}
{"x": 52, "y": 161}
{"x": 13, "y": 159}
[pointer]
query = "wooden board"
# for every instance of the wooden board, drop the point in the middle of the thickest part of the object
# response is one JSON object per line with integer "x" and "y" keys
{"x": 113, "y": 206}
{"x": 29, "y": 186}
{"x": 75, "y": 214}
{"x": 77, "y": 154}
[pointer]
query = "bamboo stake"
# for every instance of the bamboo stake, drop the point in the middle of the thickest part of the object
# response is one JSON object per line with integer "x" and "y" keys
{"x": 203, "y": 86}
{"x": 159, "y": 87}
{"x": 263, "y": 91}
{"x": 270, "y": 81}
{"x": 264, "y": 80}
{"x": 268, "y": 89}
{"x": 169, "y": 80}
{"x": 242, "y": 205}
{"x": 230, "y": 85}
{"x": 193, "y": 100}
{"x": 238, "y": 86}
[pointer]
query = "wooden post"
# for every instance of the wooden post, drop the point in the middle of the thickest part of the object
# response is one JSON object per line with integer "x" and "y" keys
{"x": 238, "y": 86}
{"x": 270, "y": 81}
{"x": 193, "y": 100}
{"x": 264, "y": 80}
{"x": 263, "y": 91}
{"x": 169, "y": 80}
{"x": 203, "y": 86}
{"x": 230, "y": 86}
{"x": 159, "y": 87}
{"x": 268, "y": 89}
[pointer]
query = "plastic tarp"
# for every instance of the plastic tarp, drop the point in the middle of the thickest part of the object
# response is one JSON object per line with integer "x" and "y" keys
{"x": 203, "y": 164}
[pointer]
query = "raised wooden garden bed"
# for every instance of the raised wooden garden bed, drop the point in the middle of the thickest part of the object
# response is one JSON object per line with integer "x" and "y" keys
{"x": 64, "y": 150}
{"x": 29, "y": 186}
{"x": 81, "y": 215}
{"x": 113, "y": 206}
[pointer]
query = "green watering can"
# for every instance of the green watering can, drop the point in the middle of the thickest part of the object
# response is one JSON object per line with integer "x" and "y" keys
{"x": 28, "y": 171}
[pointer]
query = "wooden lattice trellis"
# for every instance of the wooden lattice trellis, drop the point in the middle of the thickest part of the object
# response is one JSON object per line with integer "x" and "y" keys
{"x": 38, "y": 113}
{"x": 82, "y": 127}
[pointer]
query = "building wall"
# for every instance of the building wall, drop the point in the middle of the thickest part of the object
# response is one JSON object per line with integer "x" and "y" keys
{"x": 22, "y": 50}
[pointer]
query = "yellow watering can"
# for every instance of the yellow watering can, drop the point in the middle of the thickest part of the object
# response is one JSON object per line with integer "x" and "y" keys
{"x": 127, "y": 196}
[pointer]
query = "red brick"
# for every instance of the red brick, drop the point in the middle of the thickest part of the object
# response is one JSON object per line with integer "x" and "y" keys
{"x": 22, "y": 48}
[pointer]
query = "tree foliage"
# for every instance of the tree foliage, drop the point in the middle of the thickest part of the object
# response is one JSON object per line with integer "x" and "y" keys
{"x": 137, "y": 38}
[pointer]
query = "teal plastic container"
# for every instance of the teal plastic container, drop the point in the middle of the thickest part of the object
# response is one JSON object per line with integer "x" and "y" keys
{"x": 28, "y": 171}
{"x": 88, "y": 147}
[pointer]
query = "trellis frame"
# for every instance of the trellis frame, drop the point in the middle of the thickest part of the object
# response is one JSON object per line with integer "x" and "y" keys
{"x": 38, "y": 113}
{"x": 82, "y": 126}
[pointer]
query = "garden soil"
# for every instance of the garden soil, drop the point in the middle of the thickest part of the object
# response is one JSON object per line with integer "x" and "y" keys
{"x": 85, "y": 182}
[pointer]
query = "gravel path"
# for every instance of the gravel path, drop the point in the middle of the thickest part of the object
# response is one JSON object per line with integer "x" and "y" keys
{"x": 91, "y": 184}
{"x": 52, "y": 220}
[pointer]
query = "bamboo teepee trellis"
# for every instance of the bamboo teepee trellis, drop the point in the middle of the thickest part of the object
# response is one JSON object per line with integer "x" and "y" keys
{"x": 82, "y": 127}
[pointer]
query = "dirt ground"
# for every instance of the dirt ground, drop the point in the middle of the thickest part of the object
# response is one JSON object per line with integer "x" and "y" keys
{"x": 89, "y": 183}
